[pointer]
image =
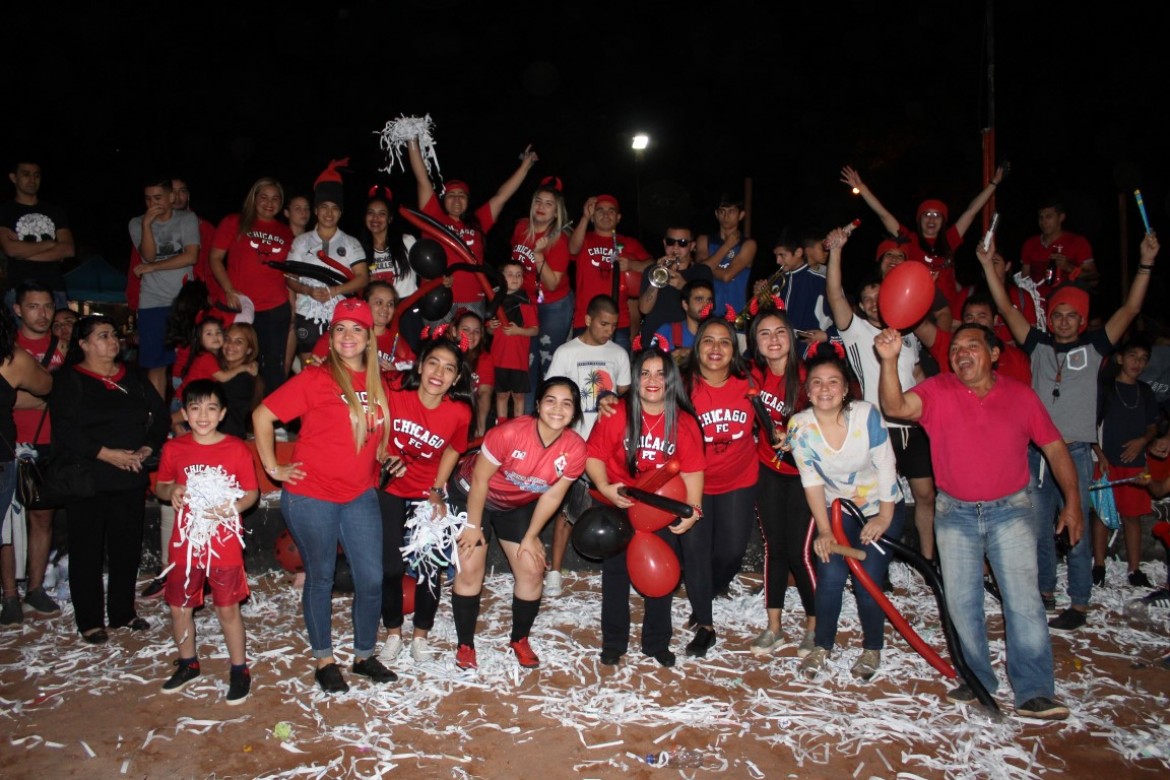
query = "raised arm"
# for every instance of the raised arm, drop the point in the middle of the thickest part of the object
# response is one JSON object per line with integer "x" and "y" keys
{"x": 496, "y": 202}
{"x": 1012, "y": 317}
{"x": 853, "y": 179}
{"x": 834, "y": 292}
{"x": 422, "y": 181}
{"x": 577, "y": 239}
{"x": 895, "y": 403}
{"x": 967, "y": 217}
{"x": 1122, "y": 318}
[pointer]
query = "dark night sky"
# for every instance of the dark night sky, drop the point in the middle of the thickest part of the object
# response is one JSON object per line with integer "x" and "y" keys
{"x": 784, "y": 93}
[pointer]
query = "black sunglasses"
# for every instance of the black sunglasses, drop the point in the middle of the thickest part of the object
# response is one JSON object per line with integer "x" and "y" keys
{"x": 683, "y": 242}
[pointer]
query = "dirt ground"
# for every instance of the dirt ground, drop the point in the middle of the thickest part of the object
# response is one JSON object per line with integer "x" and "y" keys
{"x": 71, "y": 710}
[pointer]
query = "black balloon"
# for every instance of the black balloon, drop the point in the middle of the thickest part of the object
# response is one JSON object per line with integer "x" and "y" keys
{"x": 436, "y": 304}
{"x": 602, "y": 531}
{"x": 428, "y": 259}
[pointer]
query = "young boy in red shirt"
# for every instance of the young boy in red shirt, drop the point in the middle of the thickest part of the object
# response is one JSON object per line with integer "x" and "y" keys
{"x": 209, "y": 478}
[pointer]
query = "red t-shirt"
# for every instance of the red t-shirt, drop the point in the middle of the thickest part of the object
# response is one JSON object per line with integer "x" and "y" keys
{"x": 557, "y": 257}
{"x": 420, "y": 436}
{"x": 607, "y": 443}
{"x": 483, "y": 373}
{"x": 527, "y": 468}
{"x": 772, "y": 390}
{"x": 1013, "y": 361}
{"x": 399, "y": 355}
{"x": 992, "y": 432}
{"x": 465, "y": 287}
{"x": 27, "y": 420}
{"x": 726, "y": 417}
{"x": 595, "y": 273}
{"x": 246, "y": 256}
{"x": 182, "y": 458}
{"x": 940, "y": 267}
{"x": 203, "y": 367}
{"x": 1035, "y": 254}
{"x": 334, "y": 469}
{"x": 512, "y": 351}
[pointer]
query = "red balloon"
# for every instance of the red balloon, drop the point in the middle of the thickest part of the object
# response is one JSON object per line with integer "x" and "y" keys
{"x": 287, "y": 554}
{"x": 652, "y": 565}
{"x": 408, "y": 586}
{"x": 647, "y": 518}
{"x": 906, "y": 294}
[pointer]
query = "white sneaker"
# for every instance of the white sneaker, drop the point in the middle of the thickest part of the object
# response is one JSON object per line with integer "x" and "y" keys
{"x": 419, "y": 649}
{"x": 391, "y": 649}
{"x": 552, "y": 583}
{"x": 807, "y": 645}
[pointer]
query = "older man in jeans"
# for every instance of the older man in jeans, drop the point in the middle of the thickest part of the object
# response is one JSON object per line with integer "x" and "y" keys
{"x": 980, "y": 423}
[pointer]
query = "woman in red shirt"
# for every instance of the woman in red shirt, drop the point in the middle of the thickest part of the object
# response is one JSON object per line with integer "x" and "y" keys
{"x": 329, "y": 486}
{"x": 785, "y": 520}
{"x": 652, "y": 425}
{"x": 716, "y": 376}
{"x": 515, "y": 485}
{"x": 432, "y": 415}
{"x": 539, "y": 243}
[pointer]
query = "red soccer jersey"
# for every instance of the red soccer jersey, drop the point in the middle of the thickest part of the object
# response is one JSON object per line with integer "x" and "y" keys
{"x": 595, "y": 273}
{"x": 335, "y": 470}
{"x": 557, "y": 257}
{"x": 465, "y": 287}
{"x": 512, "y": 351}
{"x": 772, "y": 390}
{"x": 27, "y": 420}
{"x": 246, "y": 256}
{"x": 607, "y": 444}
{"x": 420, "y": 436}
{"x": 726, "y": 418}
{"x": 182, "y": 458}
{"x": 527, "y": 468}
{"x": 1035, "y": 254}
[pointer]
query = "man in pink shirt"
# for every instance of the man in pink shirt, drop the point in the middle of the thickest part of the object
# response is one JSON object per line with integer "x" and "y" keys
{"x": 980, "y": 423}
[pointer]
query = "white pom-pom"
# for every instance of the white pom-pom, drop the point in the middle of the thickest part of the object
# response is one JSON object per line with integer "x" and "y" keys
{"x": 209, "y": 511}
{"x": 398, "y": 132}
{"x": 430, "y": 546}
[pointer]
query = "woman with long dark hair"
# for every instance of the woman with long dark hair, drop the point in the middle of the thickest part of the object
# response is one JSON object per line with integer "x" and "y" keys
{"x": 843, "y": 450}
{"x": 329, "y": 491}
{"x": 386, "y": 245}
{"x": 653, "y": 424}
{"x": 243, "y": 242}
{"x": 432, "y": 415}
{"x": 717, "y": 381}
{"x": 514, "y": 486}
{"x": 785, "y": 522}
{"x": 108, "y": 416}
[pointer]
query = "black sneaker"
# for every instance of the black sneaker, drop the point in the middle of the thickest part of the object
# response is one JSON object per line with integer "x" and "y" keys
{"x": 41, "y": 602}
{"x": 371, "y": 667}
{"x": 330, "y": 679}
{"x": 11, "y": 613}
{"x": 1069, "y": 620}
{"x": 182, "y": 677}
{"x": 154, "y": 589}
{"x": 1098, "y": 576}
{"x": 704, "y": 640}
{"x": 665, "y": 657}
{"x": 961, "y": 695}
{"x": 239, "y": 686}
{"x": 610, "y": 657}
{"x": 1137, "y": 579}
{"x": 1043, "y": 708}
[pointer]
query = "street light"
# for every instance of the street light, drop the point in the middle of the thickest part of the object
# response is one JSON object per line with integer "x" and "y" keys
{"x": 640, "y": 142}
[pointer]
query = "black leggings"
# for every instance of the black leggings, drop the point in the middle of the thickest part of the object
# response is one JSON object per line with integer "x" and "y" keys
{"x": 787, "y": 527}
{"x": 712, "y": 551}
{"x": 426, "y": 599}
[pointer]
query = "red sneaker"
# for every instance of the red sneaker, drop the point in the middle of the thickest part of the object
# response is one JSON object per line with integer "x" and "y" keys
{"x": 524, "y": 653}
{"x": 465, "y": 657}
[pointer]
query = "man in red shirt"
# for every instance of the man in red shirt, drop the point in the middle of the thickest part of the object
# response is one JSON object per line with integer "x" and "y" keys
{"x": 1056, "y": 252}
{"x": 595, "y": 252}
{"x": 34, "y": 312}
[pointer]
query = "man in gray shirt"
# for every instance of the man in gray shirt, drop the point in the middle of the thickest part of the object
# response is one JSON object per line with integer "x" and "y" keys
{"x": 168, "y": 242}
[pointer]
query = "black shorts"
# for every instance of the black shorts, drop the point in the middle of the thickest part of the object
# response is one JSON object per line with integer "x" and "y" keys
{"x": 912, "y": 451}
{"x": 512, "y": 380}
{"x": 309, "y": 332}
{"x": 509, "y": 524}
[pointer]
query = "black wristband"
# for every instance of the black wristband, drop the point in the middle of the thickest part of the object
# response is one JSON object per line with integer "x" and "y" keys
{"x": 1146, "y": 266}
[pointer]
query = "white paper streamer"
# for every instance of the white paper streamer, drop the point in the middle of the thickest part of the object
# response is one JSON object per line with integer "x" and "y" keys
{"x": 398, "y": 132}
{"x": 430, "y": 546}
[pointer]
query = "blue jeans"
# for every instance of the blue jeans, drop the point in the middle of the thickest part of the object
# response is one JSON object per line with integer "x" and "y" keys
{"x": 831, "y": 579}
{"x": 317, "y": 526}
{"x": 1047, "y": 501}
{"x": 1004, "y": 531}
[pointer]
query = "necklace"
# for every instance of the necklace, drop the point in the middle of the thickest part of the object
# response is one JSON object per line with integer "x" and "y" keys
{"x": 1136, "y": 402}
{"x": 649, "y": 426}
{"x": 1059, "y": 377}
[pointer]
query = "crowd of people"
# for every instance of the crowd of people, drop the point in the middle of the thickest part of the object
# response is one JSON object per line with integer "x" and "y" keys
{"x": 578, "y": 361}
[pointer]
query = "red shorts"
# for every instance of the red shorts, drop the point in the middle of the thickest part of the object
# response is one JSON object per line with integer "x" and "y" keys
{"x": 1132, "y": 500}
{"x": 229, "y": 586}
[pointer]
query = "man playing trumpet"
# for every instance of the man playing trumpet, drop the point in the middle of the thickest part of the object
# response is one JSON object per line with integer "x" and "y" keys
{"x": 660, "y": 302}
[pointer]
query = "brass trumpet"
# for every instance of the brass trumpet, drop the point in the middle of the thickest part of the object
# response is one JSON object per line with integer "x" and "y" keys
{"x": 660, "y": 274}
